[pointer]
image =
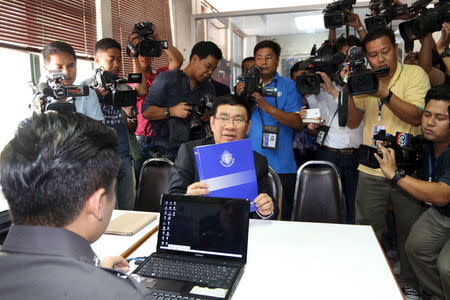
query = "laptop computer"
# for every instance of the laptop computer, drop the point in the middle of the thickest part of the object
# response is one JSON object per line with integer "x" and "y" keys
{"x": 202, "y": 248}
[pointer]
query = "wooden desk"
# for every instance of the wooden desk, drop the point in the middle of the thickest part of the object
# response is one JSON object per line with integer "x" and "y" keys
{"x": 296, "y": 260}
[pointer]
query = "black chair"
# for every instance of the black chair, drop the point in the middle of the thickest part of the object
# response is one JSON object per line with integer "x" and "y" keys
{"x": 275, "y": 189}
{"x": 153, "y": 181}
{"x": 318, "y": 194}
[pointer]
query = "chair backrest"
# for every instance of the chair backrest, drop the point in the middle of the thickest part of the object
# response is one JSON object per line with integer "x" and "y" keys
{"x": 318, "y": 194}
{"x": 275, "y": 189}
{"x": 153, "y": 181}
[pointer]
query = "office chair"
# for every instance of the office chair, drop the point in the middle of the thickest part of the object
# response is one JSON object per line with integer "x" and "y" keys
{"x": 275, "y": 189}
{"x": 318, "y": 194}
{"x": 153, "y": 181}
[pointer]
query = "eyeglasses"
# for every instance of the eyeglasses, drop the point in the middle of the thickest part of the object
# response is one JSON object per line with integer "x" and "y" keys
{"x": 239, "y": 123}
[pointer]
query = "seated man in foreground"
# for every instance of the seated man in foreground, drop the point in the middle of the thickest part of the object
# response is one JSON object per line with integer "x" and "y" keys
{"x": 230, "y": 121}
{"x": 61, "y": 196}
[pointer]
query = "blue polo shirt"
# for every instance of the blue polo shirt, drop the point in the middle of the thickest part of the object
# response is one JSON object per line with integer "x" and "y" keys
{"x": 288, "y": 100}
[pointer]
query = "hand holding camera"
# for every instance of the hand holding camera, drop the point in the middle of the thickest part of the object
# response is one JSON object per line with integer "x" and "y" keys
{"x": 181, "y": 110}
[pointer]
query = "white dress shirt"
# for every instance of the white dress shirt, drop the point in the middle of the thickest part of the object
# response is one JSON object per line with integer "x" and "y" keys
{"x": 337, "y": 137}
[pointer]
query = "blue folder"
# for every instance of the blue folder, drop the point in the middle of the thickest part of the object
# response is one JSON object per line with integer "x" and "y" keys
{"x": 228, "y": 169}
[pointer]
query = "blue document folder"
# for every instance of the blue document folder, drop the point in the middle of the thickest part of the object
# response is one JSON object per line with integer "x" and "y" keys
{"x": 228, "y": 169}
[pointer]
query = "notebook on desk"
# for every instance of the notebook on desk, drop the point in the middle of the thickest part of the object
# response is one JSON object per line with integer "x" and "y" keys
{"x": 129, "y": 223}
{"x": 201, "y": 250}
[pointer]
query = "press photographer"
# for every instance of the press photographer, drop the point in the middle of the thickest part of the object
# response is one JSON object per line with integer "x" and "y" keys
{"x": 56, "y": 90}
{"x": 275, "y": 117}
{"x": 336, "y": 144}
{"x": 395, "y": 107}
{"x": 428, "y": 244}
{"x": 108, "y": 58}
{"x": 174, "y": 101}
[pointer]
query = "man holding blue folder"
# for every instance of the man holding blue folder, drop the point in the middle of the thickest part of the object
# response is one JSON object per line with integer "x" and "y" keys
{"x": 230, "y": 121}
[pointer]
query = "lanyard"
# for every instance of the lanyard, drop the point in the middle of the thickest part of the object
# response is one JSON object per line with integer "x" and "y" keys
{"x": 276, "y": 103}
{"x": 380, "y": 104}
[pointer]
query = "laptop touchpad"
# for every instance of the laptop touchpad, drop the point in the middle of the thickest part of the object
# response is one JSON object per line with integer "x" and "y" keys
{"x": 168, "y": 285}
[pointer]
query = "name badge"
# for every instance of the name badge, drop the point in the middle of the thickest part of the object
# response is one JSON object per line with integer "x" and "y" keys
{"x": 270, "y": 137}
{"x": 269, "y": 92}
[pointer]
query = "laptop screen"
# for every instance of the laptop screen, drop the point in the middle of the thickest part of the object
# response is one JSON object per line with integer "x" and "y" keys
{"x": 204, "y": 226}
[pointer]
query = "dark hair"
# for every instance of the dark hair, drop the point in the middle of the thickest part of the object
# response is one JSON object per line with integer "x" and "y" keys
{"x": 231, "y": 100}
{"x": 57, "y": 47}
{"x": 204, "y": 49}
{"x": 411, "y": 54}
{"x": 107, "y": 43}
{"x": 53, "y": 164}
{"x": 376, "y": 34}
{"x": 440, "y": 93}
{"x": 247, "y": 59}
{"x": 299, "y": 66}
{"x": 350, "y": 41}
{"x": 268, "y": 44}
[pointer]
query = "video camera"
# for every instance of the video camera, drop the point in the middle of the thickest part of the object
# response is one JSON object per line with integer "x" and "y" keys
{"x": 52, "y": 91}
{"x": 427, "y": 20}
{"x": 119, "y": 92}
{"x": 325, "y": 61}
{"x": 383, "y": 13}
{"x": 362, "y": 81}
{"x": 195, "y": 122}
{"x": 336, "y": 13}
{"x": 146, "y": 46}
{"x": 408, "y": 150}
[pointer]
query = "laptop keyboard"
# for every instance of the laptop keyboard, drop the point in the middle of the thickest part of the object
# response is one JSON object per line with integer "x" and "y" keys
{"x": 205, "y": 274}
{"x": 164, "y": 296}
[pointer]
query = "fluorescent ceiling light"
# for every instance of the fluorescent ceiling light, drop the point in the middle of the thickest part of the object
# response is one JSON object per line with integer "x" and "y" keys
{"x": 309, "y": 24}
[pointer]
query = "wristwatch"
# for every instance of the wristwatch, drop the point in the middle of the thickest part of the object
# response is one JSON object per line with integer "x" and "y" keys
{"x": 359, "y": 29}
{"x": 386, "y": 99}
{"x": 445, "y": 53}
{"x": 166, "y": 112}
{"x": 399, "y": 174}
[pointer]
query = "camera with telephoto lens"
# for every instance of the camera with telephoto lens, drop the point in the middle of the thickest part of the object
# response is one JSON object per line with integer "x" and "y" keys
{"x": 146, "y": 46}
{"x": 336, "y": 13}
{"x": 53, "y": 90}
{"x": 253, "y": 83}
{"x": 383, "y": 12}
{"x": 408, "y": 150}
{"x": 195, "y": 122}
{"x": 426, "y": 21}
{"x": 119, "y": 92}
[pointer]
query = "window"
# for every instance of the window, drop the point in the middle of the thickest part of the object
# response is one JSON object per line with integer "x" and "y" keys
{"x": 31, "y": 24}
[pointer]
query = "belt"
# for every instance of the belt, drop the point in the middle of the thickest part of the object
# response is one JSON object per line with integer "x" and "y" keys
{"x": 342, "y": 151}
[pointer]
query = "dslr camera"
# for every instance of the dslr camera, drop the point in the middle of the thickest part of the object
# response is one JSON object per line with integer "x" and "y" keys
{"x": 253, "y": 83}
{"x": 336, "y": 13}
{"x": 119, "y": 92}
{"x": 146, "y": 46}
{"x": 53, "y": 90}
{"x": 195, "y": 121}
{"x": 408, "y": 150}
{"x": 426, "y": 21}
{"x": 383, "y": 12}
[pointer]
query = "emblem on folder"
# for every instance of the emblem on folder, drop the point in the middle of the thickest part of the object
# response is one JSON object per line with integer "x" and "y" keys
{"x": 226, "y": 159}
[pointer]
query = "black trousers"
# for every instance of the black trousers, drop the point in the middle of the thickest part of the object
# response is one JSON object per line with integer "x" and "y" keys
{"x": 347, "y": 164}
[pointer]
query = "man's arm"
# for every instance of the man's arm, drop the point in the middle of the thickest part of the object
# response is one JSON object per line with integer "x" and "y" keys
{"x": 444, "y": 42}
{"x": 437, "y": 193}
{"x": 355, "y": 22}
{"x": 175, "y": 58}
{"x": 290, "y": 119}
{"x": 354, "y": 116}
{"x": 437, "y": 77}
{"x": 182, "y": 173}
